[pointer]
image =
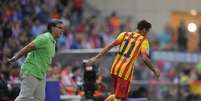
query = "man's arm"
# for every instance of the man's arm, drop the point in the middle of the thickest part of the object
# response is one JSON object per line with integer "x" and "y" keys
{"x": 100, "y": 54}
{"x": 22, "y": 52}
{"x": 149, "y": 64}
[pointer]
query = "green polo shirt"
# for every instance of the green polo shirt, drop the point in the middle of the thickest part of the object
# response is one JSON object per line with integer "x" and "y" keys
{"x": 40, "y": 58}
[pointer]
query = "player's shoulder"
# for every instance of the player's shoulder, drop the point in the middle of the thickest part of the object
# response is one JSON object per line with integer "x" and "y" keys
{"x": 145, "y": 40}
{"x": 142, "y": 38}
{"x": 133, "y": 34}
{"x": 137, "y": 34}
{"x": 129, "y": 33}
{"x": 43, "y": 36}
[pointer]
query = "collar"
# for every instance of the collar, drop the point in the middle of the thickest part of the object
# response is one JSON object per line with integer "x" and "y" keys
{"x": 51, "y": 37}
{"x": 142, "y": 34}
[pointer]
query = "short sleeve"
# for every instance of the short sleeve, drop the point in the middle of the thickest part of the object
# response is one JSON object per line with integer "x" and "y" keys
{"x": 119, "y": 38}
{"x": 145, "y": 47}
{"x": 40, "y": 41}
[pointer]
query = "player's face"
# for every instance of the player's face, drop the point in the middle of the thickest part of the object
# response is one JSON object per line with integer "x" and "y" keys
{"x": 58, "y": 30}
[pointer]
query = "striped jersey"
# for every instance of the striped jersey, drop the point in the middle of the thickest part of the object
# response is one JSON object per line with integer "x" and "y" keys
{"x": 131, "y": 44}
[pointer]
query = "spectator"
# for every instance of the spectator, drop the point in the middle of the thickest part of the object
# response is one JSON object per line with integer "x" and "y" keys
{"x": 182, "y": 36}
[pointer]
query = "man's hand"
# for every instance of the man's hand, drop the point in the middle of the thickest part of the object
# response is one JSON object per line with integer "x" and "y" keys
{"x": 13, "y": 59}
{"x": 157, "y": 72}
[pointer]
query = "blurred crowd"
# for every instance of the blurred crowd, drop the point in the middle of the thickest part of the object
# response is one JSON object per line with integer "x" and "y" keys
{"x": 22, "y": 20}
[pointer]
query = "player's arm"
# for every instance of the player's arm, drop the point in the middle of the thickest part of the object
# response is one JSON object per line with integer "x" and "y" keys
{"x": 100, "y": 54}
{"x": 106, "y": 49}
{"x": 22, "y": 52}
{"x": 147, "y": 60}
{"x": 149, "y": 64}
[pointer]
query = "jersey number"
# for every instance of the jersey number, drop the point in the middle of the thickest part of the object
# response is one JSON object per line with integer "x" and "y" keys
{"x": 128, "y": 53}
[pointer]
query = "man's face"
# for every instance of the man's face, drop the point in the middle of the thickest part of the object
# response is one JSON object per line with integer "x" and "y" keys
{"x": 58, "y": 30}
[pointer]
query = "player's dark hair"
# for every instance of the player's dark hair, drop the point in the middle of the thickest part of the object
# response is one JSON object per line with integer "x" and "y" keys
{"x": 53, "y": 24}
{"x": 143, "y": 24}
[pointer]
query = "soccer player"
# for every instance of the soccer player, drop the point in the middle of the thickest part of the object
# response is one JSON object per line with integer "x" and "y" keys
{"x": 131, "y": 44}
{"x": 33, "y": 71}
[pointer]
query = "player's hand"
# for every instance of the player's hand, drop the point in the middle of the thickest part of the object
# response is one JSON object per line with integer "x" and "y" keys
{"x": 91, "y": 61}
{"x": 13, "y": 59}
{"x": 157, "y": 73}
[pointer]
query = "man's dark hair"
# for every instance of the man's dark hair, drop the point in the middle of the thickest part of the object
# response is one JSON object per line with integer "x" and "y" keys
{"x": 53, "y": 24}
{"x": 143, "y": 24}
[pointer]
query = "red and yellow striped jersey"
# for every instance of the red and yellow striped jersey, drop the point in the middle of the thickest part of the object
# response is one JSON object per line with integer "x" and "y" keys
{"x": 130, "y": 45}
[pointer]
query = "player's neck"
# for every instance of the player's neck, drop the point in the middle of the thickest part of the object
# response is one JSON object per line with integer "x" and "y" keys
{"x": 54, "y": 36}
{"x": 143, "y": 34}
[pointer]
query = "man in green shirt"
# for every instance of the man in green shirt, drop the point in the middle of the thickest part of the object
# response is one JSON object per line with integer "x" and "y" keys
{"x": 40, "y": 53}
